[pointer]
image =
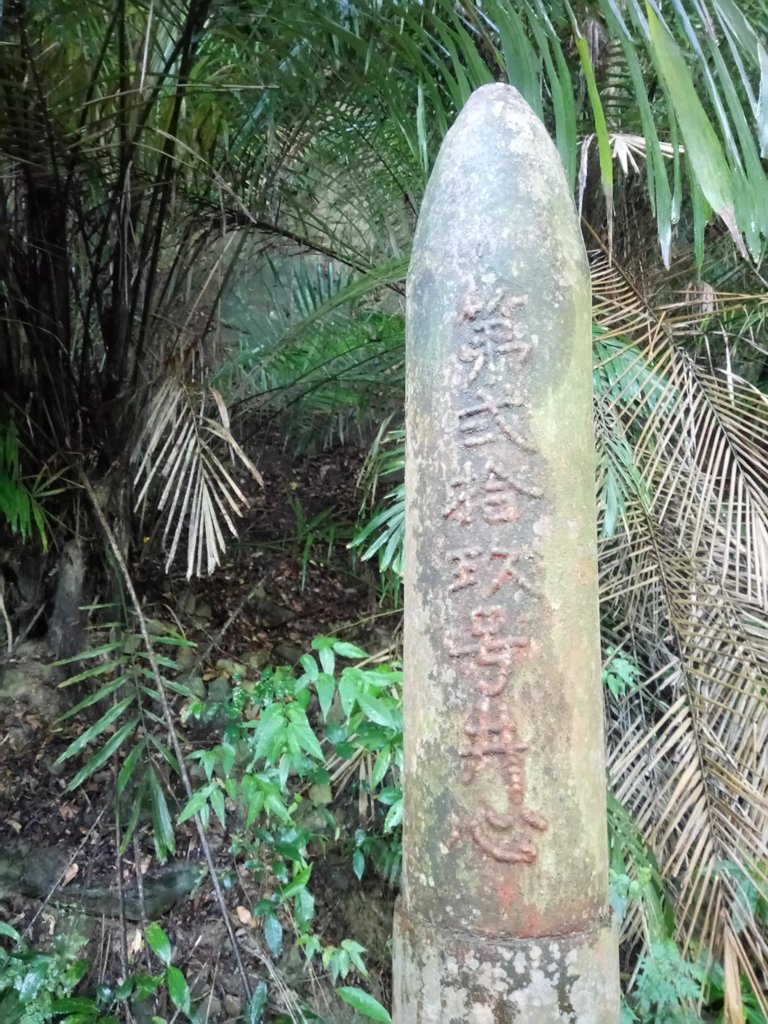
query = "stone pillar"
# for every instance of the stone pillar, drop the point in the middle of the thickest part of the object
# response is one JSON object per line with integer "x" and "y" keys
{"x": 503, "y": 915}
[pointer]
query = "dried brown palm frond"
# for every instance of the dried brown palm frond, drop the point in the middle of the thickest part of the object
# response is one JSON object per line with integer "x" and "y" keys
{"x": 182, "y": 450}
{"x": 684, "y": 584}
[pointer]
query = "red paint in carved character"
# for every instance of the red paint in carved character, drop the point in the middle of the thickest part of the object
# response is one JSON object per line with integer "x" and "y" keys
{"x": 532, "y": 924}
{"x": 507, "y": 894}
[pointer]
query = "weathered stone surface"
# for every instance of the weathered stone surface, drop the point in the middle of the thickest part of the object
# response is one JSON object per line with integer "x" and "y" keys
{"x": 505, "y": 824}
{"x": 449, "y": 977}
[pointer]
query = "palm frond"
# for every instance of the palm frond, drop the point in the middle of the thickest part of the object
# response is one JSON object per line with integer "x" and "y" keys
{"x": 684, "y": 500}
{"x": 179, "y": 450}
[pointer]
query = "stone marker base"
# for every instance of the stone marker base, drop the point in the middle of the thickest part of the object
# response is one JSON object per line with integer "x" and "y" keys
{"x": 445, "y": 977}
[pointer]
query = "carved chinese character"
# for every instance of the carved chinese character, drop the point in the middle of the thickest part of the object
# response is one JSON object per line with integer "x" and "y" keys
{"x": 464, "y": 495}
{"x": 496, "y": 499}
{"x": 465, "y": 568}
{"x": 503, "y": 836}
{"x": 490, "y": 733}
{"x": 485, "y": 423}
{"x": 489, "y": 649}
{"x": 501, "y": 494}
{"x": 499, "y": 836}
{"x": 495, "y": 331}
{"x": 506, "y": 562}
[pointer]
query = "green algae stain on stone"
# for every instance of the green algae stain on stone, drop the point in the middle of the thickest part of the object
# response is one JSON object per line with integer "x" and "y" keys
{"x": 505, "y": 825}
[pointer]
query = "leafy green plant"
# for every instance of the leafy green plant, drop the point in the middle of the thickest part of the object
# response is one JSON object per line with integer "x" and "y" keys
{"x": 319, "y": 531}
{"x": 619, "y": 674}
{"x": 39, "y": 987}
{"x": 383, "y": 528}
{"x": 282, "y": 737}
{"x": 141, "y": 986}
{"x": 21, "y": 498}
{"x": 131, "y": 720}
{"x": 169, "y": 977}
{"x": 667, "y": 986}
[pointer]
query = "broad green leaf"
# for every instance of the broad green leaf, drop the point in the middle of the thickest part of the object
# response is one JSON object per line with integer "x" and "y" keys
{"x": 345, "y": 650}
{"x": 217, "y": 803}
{"x": 178, "y": 989}
{"x": 148, "y": 985}
{"x": 309, "y": 665}
{"x": 274, "y": 804}
{"x": 298, "y": 883}
{"x": 325, "y": 685}
{"x": 348, "y": 693}
{"x": 257, "y": 1004}
{"x": 254, "y": 805}
{"x": 394, "y": 816}
{"x": 87, "y": 1008}
{"x": 358, "y": 863}
{"x": 377, "y": 711}
{"x": 269, "y": 733}
{"x": 195, "y": 803}
{"x": 381, "y": 766}
{"x": 354, "y": 949}
{"x": 601, "y": 128}
{"x": 158, "y": 942}
{"x": 301, "y": 730}
{"x": 322, "y": 643}
{"x": 273, "y": 934}
{"x": 327, "y": 660}
{"x": 11, "y": 933}
{"x": 364, "y": 1004}
{"x": 761, "y": 114}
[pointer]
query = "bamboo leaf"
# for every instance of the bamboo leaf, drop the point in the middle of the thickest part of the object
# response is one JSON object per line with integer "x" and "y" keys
{"x": 103, "y": 755}
{"x": 95, "y": 730}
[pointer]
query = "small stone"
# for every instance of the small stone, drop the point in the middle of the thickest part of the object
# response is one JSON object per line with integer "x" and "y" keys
{"x": 186, "y": 602}
{"x": 203, "y": 612}
{"x": 288, "y": 654}
{"x": 220, "y": 689}
{"x": 233, "y": 1005}
{"x": 229, "y": 667}
{"x": 211, "y": 1005}
{"x": 257, "y": 660}
{"x": 186, "y": 658}
{"x": 195, "y": 685}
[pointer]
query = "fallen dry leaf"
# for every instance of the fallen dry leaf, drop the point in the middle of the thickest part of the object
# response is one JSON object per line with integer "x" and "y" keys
{"x": 71, "y": 872}
{"x": 244, "y": 916}
{"x": 136, "y": 944}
